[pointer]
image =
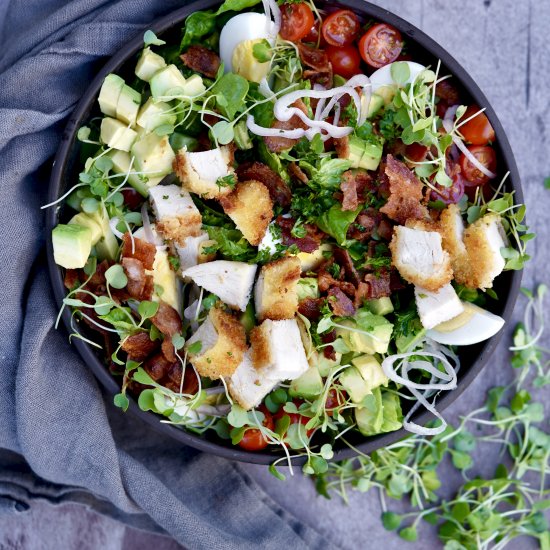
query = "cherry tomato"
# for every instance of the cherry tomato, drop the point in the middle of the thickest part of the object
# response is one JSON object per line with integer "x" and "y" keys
{"x": 486, "y": 156}
{"x": 380, "y": 45}
{"x": 416, "y": 152}
{"x": 253, "y": 440}
{"x": 341, "y": 28}
{"x": 345, "y": 60}
{"x": 477, "y": 131}
{"x": 296, "y": 21}
{"x": 334, "y": 400}
{"x": 313, "y": 34}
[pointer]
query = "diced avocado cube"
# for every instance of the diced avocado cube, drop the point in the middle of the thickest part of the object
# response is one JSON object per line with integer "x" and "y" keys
{"x": 107, "y": 246}
{"x": 152, "y": 115}
{"x": 356, "y": 150}
{"x": 167, "y": 79}
{"x": 72, "y": 245}
{"x": 149, "y": 63}
{"x": 370, "y": 370}
{"x": 354, "y": 384}
{"x": 308, "y": 287}
{"x": 372, "y": 155}
{"x": 154, "y": 156}
{"x": 128, "y": 105}
{"x": 164, "y": 277}
{"x": 116, "y": 134}
{"x": 87, "y": 220}
{"x": 121, "y": 165}
{"x": 380, "y": 306}
{"x": 194, "y": 86}
{"x": 308, "y": 386}
{"x": 109, "y": 94}
{"x": 370, "y": 415}
{"x": 376, "y": 103}
{"x": 368, "y": 334}
{"x": 323, "y": 364}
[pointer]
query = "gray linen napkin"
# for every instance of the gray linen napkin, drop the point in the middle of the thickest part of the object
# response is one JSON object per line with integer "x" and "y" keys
{"x": 60, "y": 438}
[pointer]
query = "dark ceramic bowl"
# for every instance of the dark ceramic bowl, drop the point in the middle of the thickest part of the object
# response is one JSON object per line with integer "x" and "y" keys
{"x": 66, "y": 168}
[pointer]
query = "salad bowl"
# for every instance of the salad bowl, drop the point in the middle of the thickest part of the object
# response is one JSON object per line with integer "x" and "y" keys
{"x": 68, "y": 162}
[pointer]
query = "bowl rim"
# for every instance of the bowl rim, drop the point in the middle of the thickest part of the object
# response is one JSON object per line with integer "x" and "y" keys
{"x": 57, "y": 178}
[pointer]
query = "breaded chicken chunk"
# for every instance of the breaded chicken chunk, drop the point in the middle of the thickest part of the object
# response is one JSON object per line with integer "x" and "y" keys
{"x": 451, "y": 227}
{"x": 250, "y": 207}
{"x": 276, "y": 291}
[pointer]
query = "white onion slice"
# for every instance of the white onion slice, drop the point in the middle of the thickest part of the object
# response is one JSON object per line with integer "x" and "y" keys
{"x": 273, "y": 13}
{"x": 448, "y": 125}
{"x": 113, "y": 222}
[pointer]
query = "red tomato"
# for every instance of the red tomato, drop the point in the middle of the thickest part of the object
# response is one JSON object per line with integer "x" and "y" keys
{"x": 334, "y": 400}
{"x": 416, "y": 152}
{"x": 345, "y": 60}
{"x": 253, "y": 440}
{"x": 486, "y": 156}
{"x": 296, "y": 21}
{"x": 380, "y": 45}
{"x": 477, "y": 131}
{"x": 341, "y": 28}
{"x": 313, "y": 34}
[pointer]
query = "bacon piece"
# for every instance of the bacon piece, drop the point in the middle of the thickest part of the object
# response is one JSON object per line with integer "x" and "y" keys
{"x": 379, "y": 284}
{"x": 278, "y": 189}
{"x": 354, "y": 186}
{"x": 72, "y": 279}
{"x": 168, "y": 349}
{"x": 297, "y": 173}
{"x": 139, "y": 346}
{"x": 309, "y": 243}
{"x": 167, "y": 320}
{"x": 135, "y": 273}
{"x": 278, "y": 144}
{"x": 343, "y": 258}
{"x": 318, "y": 67}
{"x": 311, "y": 308}
{"x": 327, "y": 281}
{"x": 327, "y": 338}
{"x": 173, "y": 380}
{"x": 396, "y": 282}
{"x": 201, "y": 60}
{"x": 364, "y": 225}
{"x": 340, "y": 304}
{"x": 405, "y": 193}
{"x": 385, "y": 229}
{"x": 142, "y": 250}
{"x": 157, "y": 366}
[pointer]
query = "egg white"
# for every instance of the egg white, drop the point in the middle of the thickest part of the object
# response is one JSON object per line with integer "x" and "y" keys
{"x": 382, "y": 77}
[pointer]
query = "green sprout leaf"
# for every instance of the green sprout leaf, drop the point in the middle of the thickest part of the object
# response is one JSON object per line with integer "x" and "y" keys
{"x": 116, "y": 277}
{"x": 150, "y": 39}
{"x": 121, "y": 401}
{"x": 147, "y": 309}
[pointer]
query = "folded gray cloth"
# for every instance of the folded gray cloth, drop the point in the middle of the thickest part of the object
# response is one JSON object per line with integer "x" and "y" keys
{"x": 60, "y": 438}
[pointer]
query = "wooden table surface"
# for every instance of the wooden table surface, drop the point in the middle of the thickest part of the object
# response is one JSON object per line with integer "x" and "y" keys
{"x": 504, "y": 45}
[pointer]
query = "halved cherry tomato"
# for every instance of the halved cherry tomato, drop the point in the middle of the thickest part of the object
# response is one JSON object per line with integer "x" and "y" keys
{"x": 477, "y": 131}
{"x": 253, "y": 440}
{"x": 345, "y": 60}
{"x": 334, "y": 400}
{"x": 380, "y": 45}
{"x": 313, "y": 34}
{"x": 340, "y": 28}
{"x": 486, "y": 156}
{"x": 296, "y": 21}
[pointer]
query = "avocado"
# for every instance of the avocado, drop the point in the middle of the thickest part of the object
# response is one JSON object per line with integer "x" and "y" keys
{"x": 376, "y": 103}
{"x": 368, "y": 334}
{"x": 380, "y": 306}
{"x": 167, "y": 79}
{"x": 153, "y": 155}
{"x": 308, "y": 386}
{"x": 116, "y": 134}
{"x": 107, "y": 246}
{"x": 242, "y": 138}
{"x": 121, "y": 165}
{"x": 164, "y": 277}
{"x": 386, "y": 93}
{"x": 370, "y": 416}
{"x": 354, "y": 384}
{"x": 248, "y": 318}
{"x": 72, "y": 245}
{"x": 370, "y": 370}
{"x": 308, "y": 287}
{"x": 323, "y": 364}
{"x": 407, "y": 342}
{"x": 154, "y": 114}
{"x": 109, "y": 94}
{"x": 364, "y": 154}
{"x": 128, "y": 104}
{"x": 356, "y": 150}
{"x": 194, "y": 86}
{"x": 87, "y": 220}
{"x": 149, "y": 63}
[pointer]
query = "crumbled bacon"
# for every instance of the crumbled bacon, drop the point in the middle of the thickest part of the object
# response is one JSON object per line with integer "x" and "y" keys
{"x": 405, "y": 193}
{"x": 327, "y": 281}
{"x": 202, "y": 60}
{"x": 311, "y": 308}
{"x": 385, "y": 229}
{"x": 167, "y": 320}
{"x": 318, "y": 67}
{"x": 139, "y": 346}
{"x": 173, "y": 380}
{"x": 278, "y": 189}
{"x": 278, "y": 144}
{"x": 309, "y": 243}
{"x": 343, "y": 258}
{"x": 157, "y": 366}
{"x": 340, "y": 304}
{"x": 379, "y": 284}
{"x": 72, "y": 279}
{"x": 354, "y": 184}
{"x": 365, "y": 225}
{"x": 327, "y": 338}
{"x": 135, "y": 273}
{"x": 168, "y": 349}
{"x": 297, "y": 173}
{"x": 141, "y": 250}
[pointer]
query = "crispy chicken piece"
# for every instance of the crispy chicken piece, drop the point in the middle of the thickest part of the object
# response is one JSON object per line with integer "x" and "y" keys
{"x": 451, "y": 227}
{"x": 250, "y": 207}
{"x": 276, "y": 291}
{"x": 420, "y": 258}
{"x": 223, "y": 343}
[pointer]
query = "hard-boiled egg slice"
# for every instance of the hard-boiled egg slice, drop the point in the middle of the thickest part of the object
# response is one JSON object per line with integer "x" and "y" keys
{"x": 237, "y": 40}
{"x": 382, "y": 81}
{"x": 472, "y": 326}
